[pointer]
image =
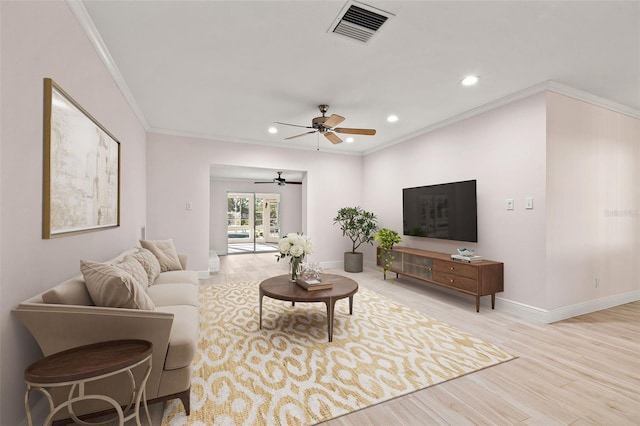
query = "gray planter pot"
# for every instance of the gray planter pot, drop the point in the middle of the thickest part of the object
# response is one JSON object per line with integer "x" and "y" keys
{"x": 352, "y": 262}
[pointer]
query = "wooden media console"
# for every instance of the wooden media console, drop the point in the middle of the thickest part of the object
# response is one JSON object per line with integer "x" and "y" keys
{"x": 483, "y": 278}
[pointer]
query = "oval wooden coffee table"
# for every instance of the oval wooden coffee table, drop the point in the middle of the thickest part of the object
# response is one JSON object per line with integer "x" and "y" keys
{"x": 281, "y": 288}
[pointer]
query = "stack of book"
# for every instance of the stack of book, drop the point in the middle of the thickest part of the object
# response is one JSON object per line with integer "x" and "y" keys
{"x": 467, "y": 259}
{"x": 311, "y": 284}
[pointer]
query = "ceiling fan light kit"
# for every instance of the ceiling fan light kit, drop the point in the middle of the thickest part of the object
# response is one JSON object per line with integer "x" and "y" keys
{"x": 326, "y": 126}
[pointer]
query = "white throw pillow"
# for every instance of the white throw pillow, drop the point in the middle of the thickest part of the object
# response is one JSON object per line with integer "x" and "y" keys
{"x": 137, "y": 271}
{"x": 150, "y": 264}
{"x": 165, "y": 252}
{"x": 112, "y": 286}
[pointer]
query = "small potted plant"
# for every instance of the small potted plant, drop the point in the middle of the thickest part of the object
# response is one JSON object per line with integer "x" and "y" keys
{"x": 386, "y": 238}
{"x": 359, "y": 226}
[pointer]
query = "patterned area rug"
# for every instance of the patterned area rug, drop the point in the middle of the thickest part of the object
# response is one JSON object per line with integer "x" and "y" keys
{"x": 288, "y": 374}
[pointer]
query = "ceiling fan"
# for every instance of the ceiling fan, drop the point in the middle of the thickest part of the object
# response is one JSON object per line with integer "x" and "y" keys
{"x": 280, "y": 181}
{"x": 327, "y": 127}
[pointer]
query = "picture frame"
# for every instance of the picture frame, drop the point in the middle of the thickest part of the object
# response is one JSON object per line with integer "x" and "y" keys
{"x": 81, "y": 172}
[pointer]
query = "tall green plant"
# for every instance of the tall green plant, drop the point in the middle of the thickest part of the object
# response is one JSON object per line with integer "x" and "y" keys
{"x": 357, "y": 224}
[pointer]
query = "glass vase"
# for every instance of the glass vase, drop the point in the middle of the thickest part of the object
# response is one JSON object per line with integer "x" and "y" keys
{"x": 295, "y": 267}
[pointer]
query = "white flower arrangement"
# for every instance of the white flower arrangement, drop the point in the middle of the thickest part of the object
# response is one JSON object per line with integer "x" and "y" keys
{"x": 294, "y": 245}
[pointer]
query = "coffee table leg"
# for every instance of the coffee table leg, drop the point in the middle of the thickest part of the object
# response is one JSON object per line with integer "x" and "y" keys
{"x": 261, "y": 296}
{"x": 350, "y": 305}
{"x": 330, "y": 305}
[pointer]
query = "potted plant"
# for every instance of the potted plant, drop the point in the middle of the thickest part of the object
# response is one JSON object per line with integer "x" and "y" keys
{"x": 386, "y": 238}
{"x": 360, "y": 227}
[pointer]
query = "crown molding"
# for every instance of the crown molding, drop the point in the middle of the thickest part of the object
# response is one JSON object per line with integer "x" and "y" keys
{"x": 580, "y": 95}
{"x": 89, "y": 28}
{"x": 546, "y": 86}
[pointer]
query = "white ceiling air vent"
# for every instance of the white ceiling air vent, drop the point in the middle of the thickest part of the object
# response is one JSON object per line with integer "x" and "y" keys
{"x": 359, "y": 21}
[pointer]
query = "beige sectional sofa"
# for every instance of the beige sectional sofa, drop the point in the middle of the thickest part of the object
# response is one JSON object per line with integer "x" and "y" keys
{"x": 164, "y": 310}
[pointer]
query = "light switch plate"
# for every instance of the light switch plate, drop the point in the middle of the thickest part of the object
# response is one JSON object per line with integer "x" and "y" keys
{"x": 528, "y": 203}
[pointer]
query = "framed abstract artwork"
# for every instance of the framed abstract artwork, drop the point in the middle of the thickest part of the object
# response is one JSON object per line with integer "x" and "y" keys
{"x": 81, "y": 179}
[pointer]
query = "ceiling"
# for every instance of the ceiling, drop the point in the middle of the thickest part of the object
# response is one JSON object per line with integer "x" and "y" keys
{"x": 227, "y": 70}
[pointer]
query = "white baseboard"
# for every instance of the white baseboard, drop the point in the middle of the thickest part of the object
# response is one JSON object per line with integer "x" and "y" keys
{"x": 203, "y": 275}
{"x": 534, "y": 314}
{"x": 332, "y": 264}
{"x": 548, "y": 316}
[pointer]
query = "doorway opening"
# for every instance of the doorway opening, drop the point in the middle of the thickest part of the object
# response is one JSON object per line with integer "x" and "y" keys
{"x": 253, "y": 222}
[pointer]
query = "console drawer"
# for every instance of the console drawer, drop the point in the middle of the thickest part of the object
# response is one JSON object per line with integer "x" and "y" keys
{"x": 456, "y": 268}
{"x": 456, "y": 281}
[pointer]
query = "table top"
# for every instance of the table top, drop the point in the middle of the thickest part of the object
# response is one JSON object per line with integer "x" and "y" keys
{"x": 88, "y": 361}
{"x": 282, "y": 289}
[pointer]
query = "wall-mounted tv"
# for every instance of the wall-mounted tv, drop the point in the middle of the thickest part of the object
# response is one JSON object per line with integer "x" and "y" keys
{"x": 447, "y": 211}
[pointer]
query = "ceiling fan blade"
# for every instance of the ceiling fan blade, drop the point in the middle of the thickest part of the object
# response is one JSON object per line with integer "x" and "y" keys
{"x": 294, "y": 125}
{"x": 333, "y": 138}
{"x": 264, "y": 182}
{"x": 297, "y": 136}
{"x": 334, "y": 120}
{"x": 369, "y": 132}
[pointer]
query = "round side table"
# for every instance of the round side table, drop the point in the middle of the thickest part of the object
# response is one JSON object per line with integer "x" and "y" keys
{"x": 78, "y": 366}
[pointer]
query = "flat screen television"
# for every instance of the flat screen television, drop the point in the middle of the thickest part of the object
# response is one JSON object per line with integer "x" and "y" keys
{"x": 447, "y": 211}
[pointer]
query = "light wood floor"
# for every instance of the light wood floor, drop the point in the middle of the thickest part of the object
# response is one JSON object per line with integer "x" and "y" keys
{"x": 581, "y": 371}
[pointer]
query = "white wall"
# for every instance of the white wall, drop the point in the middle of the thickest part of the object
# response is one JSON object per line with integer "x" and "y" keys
{"x": 593, "y": 202}
{"x": 290, "y": 216}
{"x": 178, "y": 171}
{"x": 43, "y": 39}
{"x": 504, "y": 150}
{"x": 579, "y": 162}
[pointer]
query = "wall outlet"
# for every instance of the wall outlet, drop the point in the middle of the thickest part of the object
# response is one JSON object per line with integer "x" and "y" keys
{"x": 597, "y": 282}
{"x": 189, "y": 206}
{"x": 509, "y": 203}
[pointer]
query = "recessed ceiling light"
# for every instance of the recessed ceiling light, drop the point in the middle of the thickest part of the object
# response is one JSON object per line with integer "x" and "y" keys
{"x": 392, "y": 118}
{"x": 273, "y": 130}
{"x": 470, "y": 80}
{"x": 349, "y": 139}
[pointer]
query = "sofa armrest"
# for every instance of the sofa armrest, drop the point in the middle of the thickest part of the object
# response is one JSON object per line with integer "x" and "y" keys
{"x": 60, "y": 327}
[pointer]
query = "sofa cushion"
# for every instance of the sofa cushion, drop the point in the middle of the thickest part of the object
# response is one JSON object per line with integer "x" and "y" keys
{"x": 112, "y": 286}
{"x": 150, "y": 264}
{"x": 174, "y": 294}
{"x": 177, "y": 277}
{"x": 165, "y": 252}
{"x": 69, "y": 292}
{"x": 183, "y": 338}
